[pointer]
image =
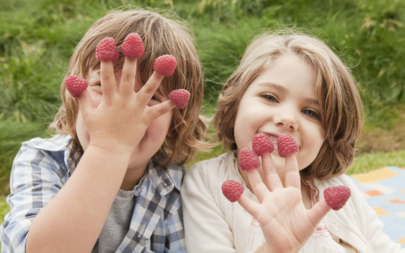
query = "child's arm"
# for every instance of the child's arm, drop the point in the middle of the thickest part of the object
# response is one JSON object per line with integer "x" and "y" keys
{"x": 73, "y": 220}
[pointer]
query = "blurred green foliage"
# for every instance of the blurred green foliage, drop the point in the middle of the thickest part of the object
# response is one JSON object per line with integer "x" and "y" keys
{"x": 38, "y": 37}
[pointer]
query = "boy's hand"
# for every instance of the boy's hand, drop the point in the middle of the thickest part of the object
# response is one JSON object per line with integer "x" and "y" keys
{"x": 120, "y": 121}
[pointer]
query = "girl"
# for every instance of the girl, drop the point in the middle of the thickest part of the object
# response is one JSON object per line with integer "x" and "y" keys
{"x": 295, "y": 85}
{"x": 110, "y": 181}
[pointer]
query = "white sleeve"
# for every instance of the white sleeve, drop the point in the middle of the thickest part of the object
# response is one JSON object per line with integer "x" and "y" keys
{"x": 206, "y": 229}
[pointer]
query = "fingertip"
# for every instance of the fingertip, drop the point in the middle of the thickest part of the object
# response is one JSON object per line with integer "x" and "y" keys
{"x": 318, "y": 212}
{"x": 157, "y": 76}
{"x": 165, "y": 65}
{"x": 324, "y": 205}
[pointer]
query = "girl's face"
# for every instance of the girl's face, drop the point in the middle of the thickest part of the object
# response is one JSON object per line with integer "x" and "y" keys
{"x": 154, "y": 136}
{"x": 282, "y": 100}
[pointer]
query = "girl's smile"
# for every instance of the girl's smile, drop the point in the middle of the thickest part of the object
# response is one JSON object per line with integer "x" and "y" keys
{"x": 282, "y": 100}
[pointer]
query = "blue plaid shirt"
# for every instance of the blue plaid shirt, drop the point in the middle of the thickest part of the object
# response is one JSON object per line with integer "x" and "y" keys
{"x": 43, "y": 166}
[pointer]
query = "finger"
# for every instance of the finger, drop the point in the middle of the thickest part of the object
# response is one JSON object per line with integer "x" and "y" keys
{"x": 258, "y": 187}
{"x": 147, "y": 91}
{"x": 272, "y": 179}
{"x": 292, "y": 175}
{"x": 86, "y": 105}
{"x": 158, "y": 110}
{"x": 318, "y": 212}
{"x": 127, "y": 83}
{"x": 249, "y": 205}
{"x": 108, "y": 84}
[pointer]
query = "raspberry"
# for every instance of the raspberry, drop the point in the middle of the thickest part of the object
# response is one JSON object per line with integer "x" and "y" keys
{"x": 337, "y": 196}
{"x": 286, "y": 145}
{"x": 262, "y": 144}
{"x": 180, "y": 97}
{"x": 75, "y": 85}
{"x": 248, "y": 159}
{"x": 107, "y": 50}
{"x": 232, "y": 190}
{"x": 132, "y": 46}
{"x": 165, "y": 65}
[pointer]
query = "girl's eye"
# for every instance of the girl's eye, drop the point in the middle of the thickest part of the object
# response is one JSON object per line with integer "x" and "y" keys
{"x": 269, "y": 97}
{"x": 311, "y": 113}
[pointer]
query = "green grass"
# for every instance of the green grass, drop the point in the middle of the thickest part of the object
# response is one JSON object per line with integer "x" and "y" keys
{"x": 367, "y": 162}
{"x": 4, "y": 208}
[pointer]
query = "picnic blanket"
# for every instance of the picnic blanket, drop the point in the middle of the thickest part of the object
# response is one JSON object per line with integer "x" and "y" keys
{"x": 384, "y": 190}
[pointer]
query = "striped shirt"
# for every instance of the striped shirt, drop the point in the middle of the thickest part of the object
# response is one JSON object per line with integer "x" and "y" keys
{"x": 43, "y": 166}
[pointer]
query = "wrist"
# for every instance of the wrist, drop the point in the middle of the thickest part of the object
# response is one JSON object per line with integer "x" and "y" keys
{"x": 268, "y": 248}
{"x": 116, "y": 151}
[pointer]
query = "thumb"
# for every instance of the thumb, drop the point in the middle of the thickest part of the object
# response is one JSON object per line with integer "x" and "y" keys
{"x": 318, "y": 212}
{"x": 77, "y": 87}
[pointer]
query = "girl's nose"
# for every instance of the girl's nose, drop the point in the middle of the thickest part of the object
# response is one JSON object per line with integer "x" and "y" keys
{"x": 286, "y": 121}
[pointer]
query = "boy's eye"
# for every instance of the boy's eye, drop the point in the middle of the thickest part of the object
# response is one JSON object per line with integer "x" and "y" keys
{"x": 311, "y": 113}
{"x": 269, "y": 97}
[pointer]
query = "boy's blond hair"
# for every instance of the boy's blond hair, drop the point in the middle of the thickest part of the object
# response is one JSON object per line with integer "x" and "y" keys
{"x": 340, "y": 102}
{"x": 160, "y": 36}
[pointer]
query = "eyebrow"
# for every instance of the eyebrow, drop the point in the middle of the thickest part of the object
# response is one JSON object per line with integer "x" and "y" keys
{"x": 280, "y": 88}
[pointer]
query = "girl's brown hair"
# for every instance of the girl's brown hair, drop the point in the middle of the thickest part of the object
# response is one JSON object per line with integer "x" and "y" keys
{"x": 340, "y": 102}
{"x": 160, "y": 36}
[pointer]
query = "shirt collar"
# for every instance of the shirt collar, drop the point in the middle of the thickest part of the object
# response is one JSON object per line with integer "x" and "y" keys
{"x": 163, "y": 178}
{"x": 54, "y": 144}
{"x": 59, "y": 143}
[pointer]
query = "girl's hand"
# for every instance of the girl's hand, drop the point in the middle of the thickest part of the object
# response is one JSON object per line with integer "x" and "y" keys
{"x": 120, "y": 121}
{"x": 284, "y": 220}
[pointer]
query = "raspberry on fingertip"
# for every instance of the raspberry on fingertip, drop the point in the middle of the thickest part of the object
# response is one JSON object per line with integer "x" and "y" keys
{"x": 262, "y": 144}
{"x": 132, "y": 46}
{"x": 337, "y": 196}
{"x": 248, "y": 159}
{"x": 165, "y": 65}
{"x": 286, "y": 145}
{"x": 180, "y": 97}
{"x": 232, "y": 190}
{"x": 75, "y": 85}
{"x": 106, "y": 50}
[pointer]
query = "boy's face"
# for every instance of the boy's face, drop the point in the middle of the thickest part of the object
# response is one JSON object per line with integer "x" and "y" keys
{"x": 282, "y": 100}
{"x": 154, "y": 136}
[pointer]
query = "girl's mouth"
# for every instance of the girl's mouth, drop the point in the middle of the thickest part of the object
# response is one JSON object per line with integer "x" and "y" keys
{"x": 274, "y": 139}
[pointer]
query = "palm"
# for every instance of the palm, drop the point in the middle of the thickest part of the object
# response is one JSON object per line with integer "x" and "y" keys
{"x": 285, "y": 211}
{"x": 283, "y": 218}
